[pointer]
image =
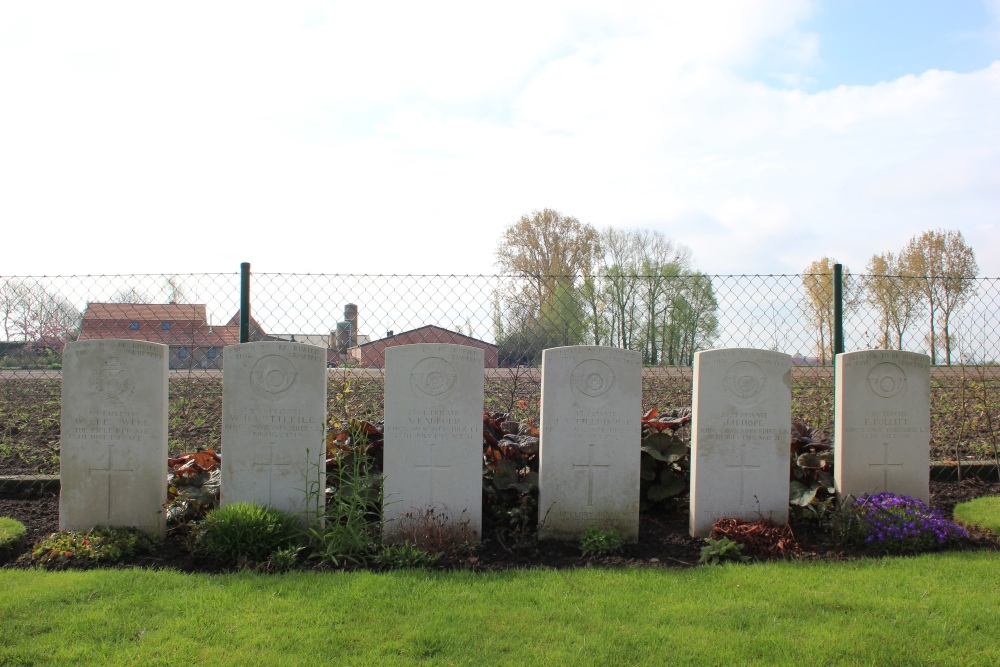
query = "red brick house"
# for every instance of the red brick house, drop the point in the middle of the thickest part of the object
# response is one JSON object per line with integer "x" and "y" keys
{"x": 373, "y": 354}
{"x": 183, "y": 326}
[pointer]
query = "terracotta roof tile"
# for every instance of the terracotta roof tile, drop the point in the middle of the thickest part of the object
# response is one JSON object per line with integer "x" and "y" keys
{"x": 171, "y": 312}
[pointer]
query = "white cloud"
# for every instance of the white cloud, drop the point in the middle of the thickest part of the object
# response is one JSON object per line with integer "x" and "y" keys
{"x": 363, "y": 137}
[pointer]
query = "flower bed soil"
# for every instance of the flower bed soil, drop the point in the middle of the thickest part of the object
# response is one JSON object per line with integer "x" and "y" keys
{"x": 663, "y": 538}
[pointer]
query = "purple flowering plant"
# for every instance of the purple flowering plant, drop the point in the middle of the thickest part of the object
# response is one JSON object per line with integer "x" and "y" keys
{"x": 898, "y": 524}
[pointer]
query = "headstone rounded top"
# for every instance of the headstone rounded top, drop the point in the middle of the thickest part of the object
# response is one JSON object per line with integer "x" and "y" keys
{"x": 887, "y": 380}
{"x": 433, "y": 378}
{"x": 273, "y": 374}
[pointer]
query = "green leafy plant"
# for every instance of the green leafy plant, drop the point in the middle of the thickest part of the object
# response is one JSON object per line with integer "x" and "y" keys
{"x": 666, "y": 456}
{"x": 245, "y": 534}
{"x": 597, "y": 542}
{"x": 719, "y": 550}
{"x": 12, "y": 537}
{"x": 348, "y": 530}
{"x": 811, "y": 492}
{"x": 510, "y": 475}
{"x": 193, "y": 486}
{"x": 404, "y": 555}
{"x": 282, "y": 560}
{"x": 97, "y": 545}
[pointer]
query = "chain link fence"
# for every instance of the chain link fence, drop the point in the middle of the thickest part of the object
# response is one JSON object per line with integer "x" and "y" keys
{"x": 513, "y": 318}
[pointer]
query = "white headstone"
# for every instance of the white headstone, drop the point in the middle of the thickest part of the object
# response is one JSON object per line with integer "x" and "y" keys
{"x": 433, "y": 447}
{"x": 273, "y": 425}
{"x": 113, "y": 454}
{"x": 740, "y": 437}
{"x": 590, "y": 445}
{"x": 882, "y": 423}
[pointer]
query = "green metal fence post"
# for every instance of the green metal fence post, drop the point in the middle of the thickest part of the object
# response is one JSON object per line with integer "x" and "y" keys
{"x": 838, "y": 309}
{"x": 245, "y": 302}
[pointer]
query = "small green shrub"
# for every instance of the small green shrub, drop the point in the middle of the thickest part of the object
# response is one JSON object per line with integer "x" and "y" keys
{"x": 597, "y": 542}
{"x": 716, "y": 551}
{"x": 405, "y": 555}
{"x": 245, "y": 534}
{"x": 12, "y": 535}
{"x": 982, "y": 512}
{"x": 811, "y": 493}
{"x": 97, "y": 545}
{"x": 282, "y": 560}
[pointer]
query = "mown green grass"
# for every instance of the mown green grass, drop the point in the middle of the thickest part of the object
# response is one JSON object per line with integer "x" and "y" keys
{"x": 983, "y": 512}
{"x": 930, "y": 610}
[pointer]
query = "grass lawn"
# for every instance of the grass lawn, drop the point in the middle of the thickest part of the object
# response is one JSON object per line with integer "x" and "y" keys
{"x": 940, "y": 609}
{"x": 983, "y": 512}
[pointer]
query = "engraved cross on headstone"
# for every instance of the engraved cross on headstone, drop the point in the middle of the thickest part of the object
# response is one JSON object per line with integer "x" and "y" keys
{"x": 110, "y": 470}
{"x": 431, "y": 468}
{"x": 742, "y": 468}
{"x": 885, "y": 465}
{"x": 590, "y": 465}
{"x": 271, "y": 465}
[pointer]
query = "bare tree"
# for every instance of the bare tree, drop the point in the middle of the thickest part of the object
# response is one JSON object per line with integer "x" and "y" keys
{"x": 662, "y": 261}
{"x": 593, "y": 299}
{"x": 817, "y": 302}
{"x": 9, "y": 302}
{"x": 896, "y": 296}
{"x": 33, "y": 314}
{"x": 131, "y": 295}
{"x": 548, "y": 247}
{"x": 623, "y": 260}
{"x": 549, "y": 253}
{"x": 945, "y": 268}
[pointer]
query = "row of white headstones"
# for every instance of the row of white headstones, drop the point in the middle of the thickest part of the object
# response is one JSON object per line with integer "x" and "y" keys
{"x": 114, "y": 433}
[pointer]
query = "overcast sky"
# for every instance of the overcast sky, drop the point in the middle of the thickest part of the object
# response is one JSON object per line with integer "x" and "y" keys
{"x": 363, "y": 137}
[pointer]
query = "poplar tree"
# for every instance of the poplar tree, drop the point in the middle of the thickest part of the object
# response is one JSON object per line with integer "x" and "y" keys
{"x": 945, "y": 269}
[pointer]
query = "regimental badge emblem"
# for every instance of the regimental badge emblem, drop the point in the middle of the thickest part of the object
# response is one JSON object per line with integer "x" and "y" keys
{"x": 433, "y": 377}
{"x": 114, "y": 383}
{"x": 887, "y": 380}
{"x": 273, "y": 374}
{"x": 592, "y": 379}
{"x": 745, "y": 380}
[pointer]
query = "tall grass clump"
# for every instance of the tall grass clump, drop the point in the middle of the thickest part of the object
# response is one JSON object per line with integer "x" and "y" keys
{"x": 347, "y": 531}
{"x": 247, "y": 534}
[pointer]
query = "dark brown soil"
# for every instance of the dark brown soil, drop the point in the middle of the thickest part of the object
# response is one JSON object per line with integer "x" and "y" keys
{"x": 663, "y": 537}
{"x": 964, "y": 409}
